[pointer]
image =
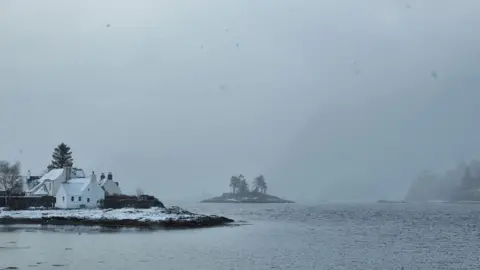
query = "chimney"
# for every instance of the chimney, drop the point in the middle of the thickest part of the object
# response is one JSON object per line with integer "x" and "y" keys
{"x": 110, "y": 176}
{"x": 102, "y": 176}
{"x": 93, "y": 177}
{"x": 29, "y": 175}
{"x": 68, "y": 173}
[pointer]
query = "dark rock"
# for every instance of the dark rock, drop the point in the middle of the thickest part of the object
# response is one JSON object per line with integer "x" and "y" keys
{"x": 22, "y": 202}
{"x": 125, "y": 201}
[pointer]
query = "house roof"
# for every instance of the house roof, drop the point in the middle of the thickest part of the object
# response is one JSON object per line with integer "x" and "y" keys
{"x": 54, "y": 174}
{"x": 76, "y": 186}
{"x": 42, "y": 191}
{"x": 77, "y": 173}
{"x": 102, "y": 182}
{"x": 51, "y": 175}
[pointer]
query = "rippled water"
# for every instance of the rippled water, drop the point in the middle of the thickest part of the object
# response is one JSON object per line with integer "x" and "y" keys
{"x": 326, "y": 236}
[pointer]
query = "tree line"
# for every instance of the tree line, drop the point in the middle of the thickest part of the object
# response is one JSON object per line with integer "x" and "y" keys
{"x": 458, "y": 183}
{"x": 240, "y": 185}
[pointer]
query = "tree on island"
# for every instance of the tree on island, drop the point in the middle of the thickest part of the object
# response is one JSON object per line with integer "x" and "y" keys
{"x": 242, "y": 193}
{"x": 62, "y": 157}
{"x": 234, "y": 181}
{"x": 10, "y": 179}
{"x": 243, "y": 186}
{"x": 259, "y": 184}
{"x": 239, "y": 184}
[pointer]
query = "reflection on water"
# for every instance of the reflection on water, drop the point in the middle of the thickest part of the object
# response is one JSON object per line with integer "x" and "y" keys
{"x": 326, "y": 236}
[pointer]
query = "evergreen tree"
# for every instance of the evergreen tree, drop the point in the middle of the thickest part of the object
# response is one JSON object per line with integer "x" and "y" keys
{"x": 62, "y": 157}
{"x": 238, "y": 184}
{"x": 243, "y": 186}
{"x": 259, "y": 184}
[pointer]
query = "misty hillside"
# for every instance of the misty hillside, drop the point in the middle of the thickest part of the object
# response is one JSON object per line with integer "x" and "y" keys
{"x": 371, "y": 152}
{"x": 455, "y": 184}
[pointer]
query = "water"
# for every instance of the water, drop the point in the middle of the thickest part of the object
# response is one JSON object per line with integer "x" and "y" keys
{"x": 326, "y": 236}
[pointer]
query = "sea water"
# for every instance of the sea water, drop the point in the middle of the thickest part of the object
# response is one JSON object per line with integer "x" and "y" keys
{"x": 268, "y": 236}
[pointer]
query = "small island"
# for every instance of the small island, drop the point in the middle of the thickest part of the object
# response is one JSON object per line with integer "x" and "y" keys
{"x": 241, "y": 192}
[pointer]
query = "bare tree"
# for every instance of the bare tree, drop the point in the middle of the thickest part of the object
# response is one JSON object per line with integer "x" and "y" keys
{"x": 10, "y": 179}
{"x": 139, "y": 192}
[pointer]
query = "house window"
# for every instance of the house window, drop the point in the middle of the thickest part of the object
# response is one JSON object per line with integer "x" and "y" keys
{"x": 79, "y": 199}
{"x": 88, "y": 199}
{"x": 73, "y": 198}
{"x": 63, "y": 198}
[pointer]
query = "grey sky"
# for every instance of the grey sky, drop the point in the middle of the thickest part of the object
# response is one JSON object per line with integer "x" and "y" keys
{"x": 166, "y": 100}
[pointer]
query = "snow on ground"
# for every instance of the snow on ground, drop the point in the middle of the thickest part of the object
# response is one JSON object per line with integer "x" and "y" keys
{"x": 151, "y": 214}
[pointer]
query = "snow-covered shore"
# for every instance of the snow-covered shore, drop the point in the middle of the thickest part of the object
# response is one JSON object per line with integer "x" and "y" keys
{"x": 152, "y": 217}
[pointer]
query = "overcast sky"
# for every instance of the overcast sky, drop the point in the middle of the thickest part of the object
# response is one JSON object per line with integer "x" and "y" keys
{"x": 330, "y": 100}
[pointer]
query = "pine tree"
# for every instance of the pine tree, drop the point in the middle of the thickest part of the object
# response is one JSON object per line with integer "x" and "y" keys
{"x": 260, "y": 184}
{"x": 62, "y": 157}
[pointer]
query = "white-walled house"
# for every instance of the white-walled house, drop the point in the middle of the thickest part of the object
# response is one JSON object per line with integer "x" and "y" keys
{"x": 72, "y": 189}
{"x": 49, "y": 183}
{"x": 79, "y": 193}
{"x": 108, "y": 185}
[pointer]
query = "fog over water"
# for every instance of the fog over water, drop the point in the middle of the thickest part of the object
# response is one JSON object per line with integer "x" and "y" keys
{"x": 329, "y": 100}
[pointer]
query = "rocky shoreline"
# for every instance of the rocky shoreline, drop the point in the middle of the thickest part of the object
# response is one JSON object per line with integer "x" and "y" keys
{"x": 201, "y": 222}
{"x": 157, "y": 218}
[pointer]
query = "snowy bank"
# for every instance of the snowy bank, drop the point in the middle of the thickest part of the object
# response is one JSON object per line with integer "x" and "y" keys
{"x": 156, "y": 217}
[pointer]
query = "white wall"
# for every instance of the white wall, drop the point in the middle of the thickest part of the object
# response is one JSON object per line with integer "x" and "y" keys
{"x": 96, "y": 193}
{"x": 93, "y": 192}
{"x": 53, "y": 189}
{"x": 61, "y": 201}
{"x": 56, "y": 183}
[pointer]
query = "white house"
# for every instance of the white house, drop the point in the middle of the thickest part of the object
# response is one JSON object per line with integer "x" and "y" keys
{"x": 79, "y": 193}
{"x": 108, "y": 185}
{"x": 50, "y": 182}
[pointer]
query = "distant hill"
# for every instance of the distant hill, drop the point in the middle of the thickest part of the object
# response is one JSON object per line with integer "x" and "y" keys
{"x": 459, "y": 184}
